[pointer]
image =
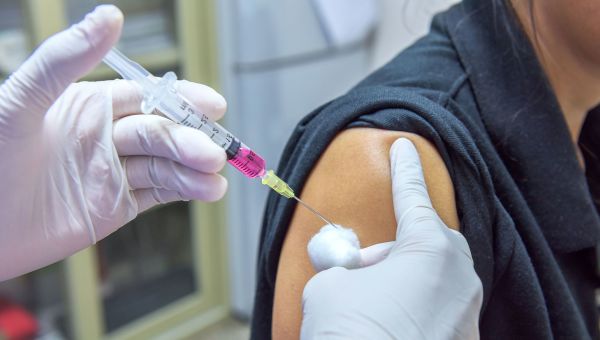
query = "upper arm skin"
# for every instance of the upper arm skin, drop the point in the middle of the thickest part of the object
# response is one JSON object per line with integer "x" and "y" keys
{"x": 351, "y": 185}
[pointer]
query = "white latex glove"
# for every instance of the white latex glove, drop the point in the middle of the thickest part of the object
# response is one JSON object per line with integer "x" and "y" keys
{"x": 79, "y": 160}
{"x": 423, "y": 285}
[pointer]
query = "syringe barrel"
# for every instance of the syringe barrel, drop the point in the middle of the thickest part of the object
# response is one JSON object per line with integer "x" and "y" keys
{"x": 160, "y": 93}
{"x": 178, "y": 109}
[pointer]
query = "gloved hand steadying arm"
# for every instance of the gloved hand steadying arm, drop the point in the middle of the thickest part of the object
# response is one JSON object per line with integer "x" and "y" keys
{"x": 79, "y": 160}
{"x": 422, "y": 286}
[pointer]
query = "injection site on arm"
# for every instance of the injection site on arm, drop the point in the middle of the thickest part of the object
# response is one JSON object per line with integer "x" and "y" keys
{"x": 365, "y": 206}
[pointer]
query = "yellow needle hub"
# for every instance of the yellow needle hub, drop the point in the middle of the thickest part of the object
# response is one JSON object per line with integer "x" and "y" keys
{"x": 272, "y": 181}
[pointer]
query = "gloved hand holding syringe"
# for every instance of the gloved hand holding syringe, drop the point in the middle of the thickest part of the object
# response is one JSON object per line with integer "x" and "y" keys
{"x": 160, "y": 94}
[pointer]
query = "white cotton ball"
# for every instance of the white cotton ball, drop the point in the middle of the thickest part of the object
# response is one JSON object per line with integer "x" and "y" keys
{"x": 334, "y": 247}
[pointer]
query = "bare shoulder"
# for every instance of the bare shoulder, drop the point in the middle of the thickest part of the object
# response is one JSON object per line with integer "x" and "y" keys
{"x": 351, "y": 185}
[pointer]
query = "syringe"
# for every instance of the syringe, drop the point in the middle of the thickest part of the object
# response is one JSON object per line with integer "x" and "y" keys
{"x": 160, "y": 94}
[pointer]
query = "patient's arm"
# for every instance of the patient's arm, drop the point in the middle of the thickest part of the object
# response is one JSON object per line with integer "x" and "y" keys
{"x": 351, "y": 185}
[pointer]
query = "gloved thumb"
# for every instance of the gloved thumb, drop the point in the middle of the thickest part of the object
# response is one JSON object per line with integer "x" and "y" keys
{"x": 417, "y": 221}
{"x": 412, "y": 204}
{"x": 61, "y": 60}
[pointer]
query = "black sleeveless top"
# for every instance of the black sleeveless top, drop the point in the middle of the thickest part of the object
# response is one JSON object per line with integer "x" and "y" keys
{"x": 474, "y": 87}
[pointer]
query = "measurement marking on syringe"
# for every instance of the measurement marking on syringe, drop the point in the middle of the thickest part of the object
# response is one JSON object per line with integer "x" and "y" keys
{"x": 185, "y": 119}
{"x": 244, "y": 167}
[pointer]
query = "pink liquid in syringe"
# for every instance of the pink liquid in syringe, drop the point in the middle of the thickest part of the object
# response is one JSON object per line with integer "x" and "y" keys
{"x": 248, "y": 163}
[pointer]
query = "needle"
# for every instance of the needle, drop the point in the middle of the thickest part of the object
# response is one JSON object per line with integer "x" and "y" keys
{"x": 272, "y": 181}
{"x": 314, "y": 211}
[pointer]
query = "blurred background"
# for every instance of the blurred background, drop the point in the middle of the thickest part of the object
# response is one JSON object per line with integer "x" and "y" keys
{"x": 186, "y": 270}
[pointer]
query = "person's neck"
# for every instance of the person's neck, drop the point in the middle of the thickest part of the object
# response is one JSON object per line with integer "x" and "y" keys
{"x": 576, "y": 86}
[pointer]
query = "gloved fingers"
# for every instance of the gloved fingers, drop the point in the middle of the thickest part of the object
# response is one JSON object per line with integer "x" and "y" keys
{"x": 152, "y": 135}
{"x": 127, "y": 98}
{"x": 203, "y": 98}
{"x": 61, "y": 60}
{"x": 375, "y": 253}
{"x": 412, "y": 204}
{"x": 148, "y": 198}
{"x": 160, "y": 173}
